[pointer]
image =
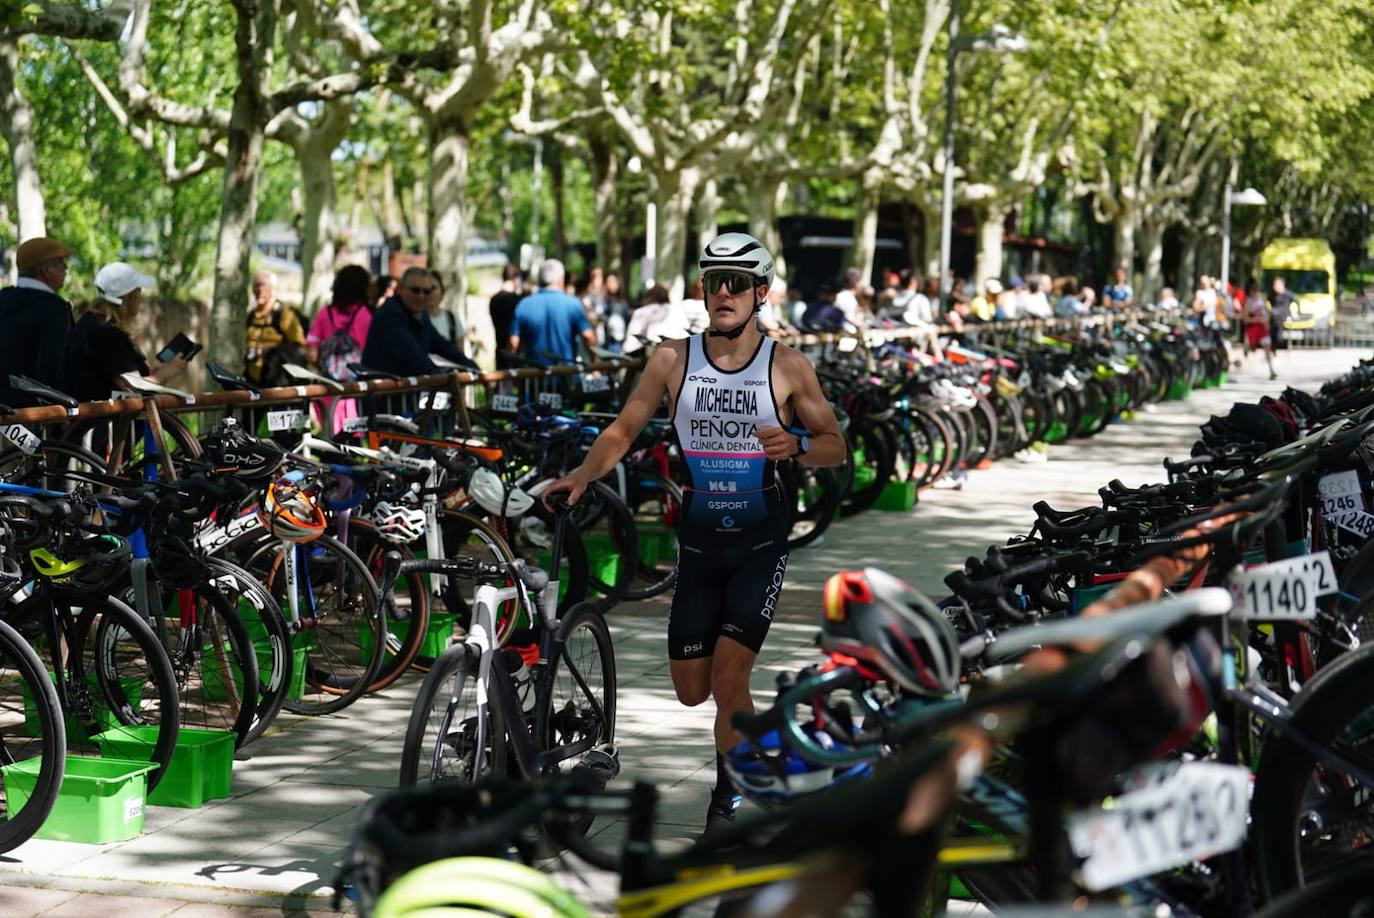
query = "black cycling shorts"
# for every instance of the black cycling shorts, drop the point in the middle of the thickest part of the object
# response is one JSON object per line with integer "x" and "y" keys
{"x": 727, "y": 586}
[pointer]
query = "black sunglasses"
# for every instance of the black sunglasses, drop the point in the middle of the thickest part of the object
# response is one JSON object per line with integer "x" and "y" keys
{"x": 423, "y": 291}
{"x": 734, "y": 281}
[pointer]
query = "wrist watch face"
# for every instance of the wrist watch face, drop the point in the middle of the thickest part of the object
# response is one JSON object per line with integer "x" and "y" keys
{"x": 804, "y": 444}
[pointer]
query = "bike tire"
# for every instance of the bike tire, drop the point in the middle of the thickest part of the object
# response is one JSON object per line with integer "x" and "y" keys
{"x": 656, "y": 502}
{"x": 450, "y": 681}
{"x": 50, "y": 744}
{"x": 270, "y": 635}
{"x": 1335, "y": 702}
{"x": 121, "y": 638}
{"x": 411, "y": 593}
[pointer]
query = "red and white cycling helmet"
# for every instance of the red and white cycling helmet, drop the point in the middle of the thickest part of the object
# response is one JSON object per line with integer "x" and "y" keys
{"x": 891, "y": 628}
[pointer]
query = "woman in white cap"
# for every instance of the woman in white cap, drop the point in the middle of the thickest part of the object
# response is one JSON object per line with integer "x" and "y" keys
{"x": 100, "y": 348}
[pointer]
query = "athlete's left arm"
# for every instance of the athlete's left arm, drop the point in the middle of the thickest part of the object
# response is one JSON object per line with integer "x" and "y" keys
{"x": 811, "y": 410}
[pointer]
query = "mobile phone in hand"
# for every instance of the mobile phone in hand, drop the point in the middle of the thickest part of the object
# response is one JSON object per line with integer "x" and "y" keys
{"x": 180, "y": 346}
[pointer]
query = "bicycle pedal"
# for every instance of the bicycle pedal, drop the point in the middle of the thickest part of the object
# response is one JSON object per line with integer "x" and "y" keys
{"x": 601, "y": 763}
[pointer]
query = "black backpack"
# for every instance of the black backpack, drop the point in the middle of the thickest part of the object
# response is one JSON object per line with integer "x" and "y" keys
{"x": 275, "y": 359}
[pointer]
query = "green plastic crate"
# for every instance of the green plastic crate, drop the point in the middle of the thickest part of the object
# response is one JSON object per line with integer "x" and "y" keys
{"x": 438, "y": 633}
{"x": 1181, "y": 389}
{"x": 897, "y": 496}
{"x": 1082, "y": 598}
{"x": 101, "y": 800}
{"x": 603, "y": 560}
{"x": 201, "y": 768}
{"x": 296, "y": 691}
{"x": 105, "y": 718}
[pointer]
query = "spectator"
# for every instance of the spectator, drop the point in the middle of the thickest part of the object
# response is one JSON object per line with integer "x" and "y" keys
{"x": 847, "y": 299}
{"x": 274, "y": 336}
{"x": 983, "y": 308}
{"x": 694, "y": 308}
{"x": 921, "y": 310}
{"x": 1006, "y": 305}
{"x": 1120, "y": 294}
{"x": 617, "y": 311}
{"x": 36, "y": 320}
{"x": 1257, "y": 325}
{"x": 549, "y": 323}
{"x": 446, "y": 322}
{"x": 402, "y": 337}
{"x": 864, "y": 315}
{"x": 902, "y": 293}
{"x": 796, "y": 306}
{"x": 892, "y": 288}
{"x": 383, "y": 289}
{"x": 1280, "y": 310}
{"x": 1205, "y": 303}
{"x": 1017, "y": 297}
{"x": 656, "y": 319}
{"x": 1087, "y": 296}
{"x": 1037, "y": 304}
{"x": 823, "y": 315}
{"x": 100, "y": 349}
{"x": 772, "y": 314}
{"x": 339, "y": 332}
{"x": 1069, "y": 304}
{"x": 1168, "y": 300}
{"x": 502, "y": 308}
{"x": 958, "y": 295}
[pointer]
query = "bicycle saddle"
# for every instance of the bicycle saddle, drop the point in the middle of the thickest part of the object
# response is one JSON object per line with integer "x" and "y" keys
{"x": 148, "y": 387}
{"x": 363, "y": 373}
{"x": 296, "y": 371}
{"x": 228, "y": 381}
{"x": 45, "y": 394}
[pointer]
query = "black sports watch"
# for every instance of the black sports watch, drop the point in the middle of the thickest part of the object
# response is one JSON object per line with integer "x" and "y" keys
{"x": 803, "y": 444}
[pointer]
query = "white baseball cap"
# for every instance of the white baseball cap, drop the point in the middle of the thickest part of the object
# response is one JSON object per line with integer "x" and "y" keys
{"x": 117, "y": 280}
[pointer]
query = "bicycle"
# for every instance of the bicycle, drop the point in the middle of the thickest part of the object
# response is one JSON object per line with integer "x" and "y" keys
{"x": 481, "y": 704}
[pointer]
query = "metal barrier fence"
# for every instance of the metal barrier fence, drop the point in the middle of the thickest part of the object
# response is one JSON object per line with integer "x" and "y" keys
{"x": 501, "y": 390}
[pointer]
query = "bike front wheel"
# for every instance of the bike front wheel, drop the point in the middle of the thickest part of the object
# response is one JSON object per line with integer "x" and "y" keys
{"x": 447, "y": 736}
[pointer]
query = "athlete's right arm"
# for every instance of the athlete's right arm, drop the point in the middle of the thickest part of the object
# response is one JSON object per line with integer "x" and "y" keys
{"x": 616, "y": 439}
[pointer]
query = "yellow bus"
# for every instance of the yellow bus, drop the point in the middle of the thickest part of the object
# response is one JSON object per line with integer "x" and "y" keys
{"x": 1308, "y": 269}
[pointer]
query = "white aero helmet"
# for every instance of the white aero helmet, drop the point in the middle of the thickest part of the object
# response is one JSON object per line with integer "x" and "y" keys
{"x": 737, "y": 252}
{"x": 398, "y": 523}
{"x": 487, "y": 488}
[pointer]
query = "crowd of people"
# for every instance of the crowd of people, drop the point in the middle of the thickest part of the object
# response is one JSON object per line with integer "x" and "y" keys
{"x": 399, "y": 325}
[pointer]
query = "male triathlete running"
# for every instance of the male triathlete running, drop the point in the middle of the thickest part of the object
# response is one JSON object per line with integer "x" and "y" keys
{"x": 731, "y": 392}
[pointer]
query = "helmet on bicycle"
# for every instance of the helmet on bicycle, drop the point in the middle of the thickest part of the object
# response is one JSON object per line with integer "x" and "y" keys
{"x": 887, "y": 625}
{"x": 476, "y": 885}
{"x": 231, "y": 448}
{"x": 93, "y": 564}
{"x": 290, "y": 514}
{"x": 492, "y": 495}
{"x": 770, "y": 772}
{"x": 397, "y": 522}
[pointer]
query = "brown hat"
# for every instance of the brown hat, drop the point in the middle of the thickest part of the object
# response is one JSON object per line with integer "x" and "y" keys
{"x": 34, "y": 252}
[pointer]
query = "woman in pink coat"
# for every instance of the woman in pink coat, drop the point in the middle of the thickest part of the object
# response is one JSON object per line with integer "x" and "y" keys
{"x": 339, "y": 331}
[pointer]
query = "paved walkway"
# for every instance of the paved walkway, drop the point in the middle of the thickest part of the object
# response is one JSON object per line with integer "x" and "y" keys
{"x": 271, "y": 848}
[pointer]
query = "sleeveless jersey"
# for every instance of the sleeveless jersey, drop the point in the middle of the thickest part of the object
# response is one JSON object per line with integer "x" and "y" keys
{"x": 731, "y": 485}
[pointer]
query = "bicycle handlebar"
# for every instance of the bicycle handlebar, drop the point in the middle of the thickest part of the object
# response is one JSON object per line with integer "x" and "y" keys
{"x": 393, "y": 566}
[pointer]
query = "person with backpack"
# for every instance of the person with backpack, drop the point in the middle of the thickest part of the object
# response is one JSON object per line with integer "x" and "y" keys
{"x": 339, "y": 331}
{"x": 274, "y": 335}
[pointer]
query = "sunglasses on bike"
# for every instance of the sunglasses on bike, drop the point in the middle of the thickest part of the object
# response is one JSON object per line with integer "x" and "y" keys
{"x": 735, "y": 281}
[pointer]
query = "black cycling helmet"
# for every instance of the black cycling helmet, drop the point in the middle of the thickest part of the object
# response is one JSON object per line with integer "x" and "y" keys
{"x": 230, "y": 448}
{"x": 887, "y": 626}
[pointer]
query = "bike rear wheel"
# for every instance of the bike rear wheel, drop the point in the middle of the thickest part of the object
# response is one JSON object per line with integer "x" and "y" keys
{"x": 446, "y": 737}
{"x": 31, "y": 728}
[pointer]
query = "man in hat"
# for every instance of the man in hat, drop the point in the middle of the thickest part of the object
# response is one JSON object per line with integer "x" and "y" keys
{"x": 36, "y": 320}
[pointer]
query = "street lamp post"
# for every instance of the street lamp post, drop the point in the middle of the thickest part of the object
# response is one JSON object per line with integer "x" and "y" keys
{"x": 999, "y": 39}
{"x": 1247, "y": 198}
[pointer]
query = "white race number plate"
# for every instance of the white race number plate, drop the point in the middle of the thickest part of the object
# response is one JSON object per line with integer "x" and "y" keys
{"x": 27, "y": 441}
{"x": 1180, "y": 814}
{"x": 290, "y": 419}
{"x": 1284, "y": 590}
{"x": 505, "y": 403}
{"x": 551, "y": 400}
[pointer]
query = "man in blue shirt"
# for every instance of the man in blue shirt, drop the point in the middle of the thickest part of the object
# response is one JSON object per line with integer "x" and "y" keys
{"x": 1119, "y": 295}
{"x": 548, "y": 322}
{"x": 402, "y": 337}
